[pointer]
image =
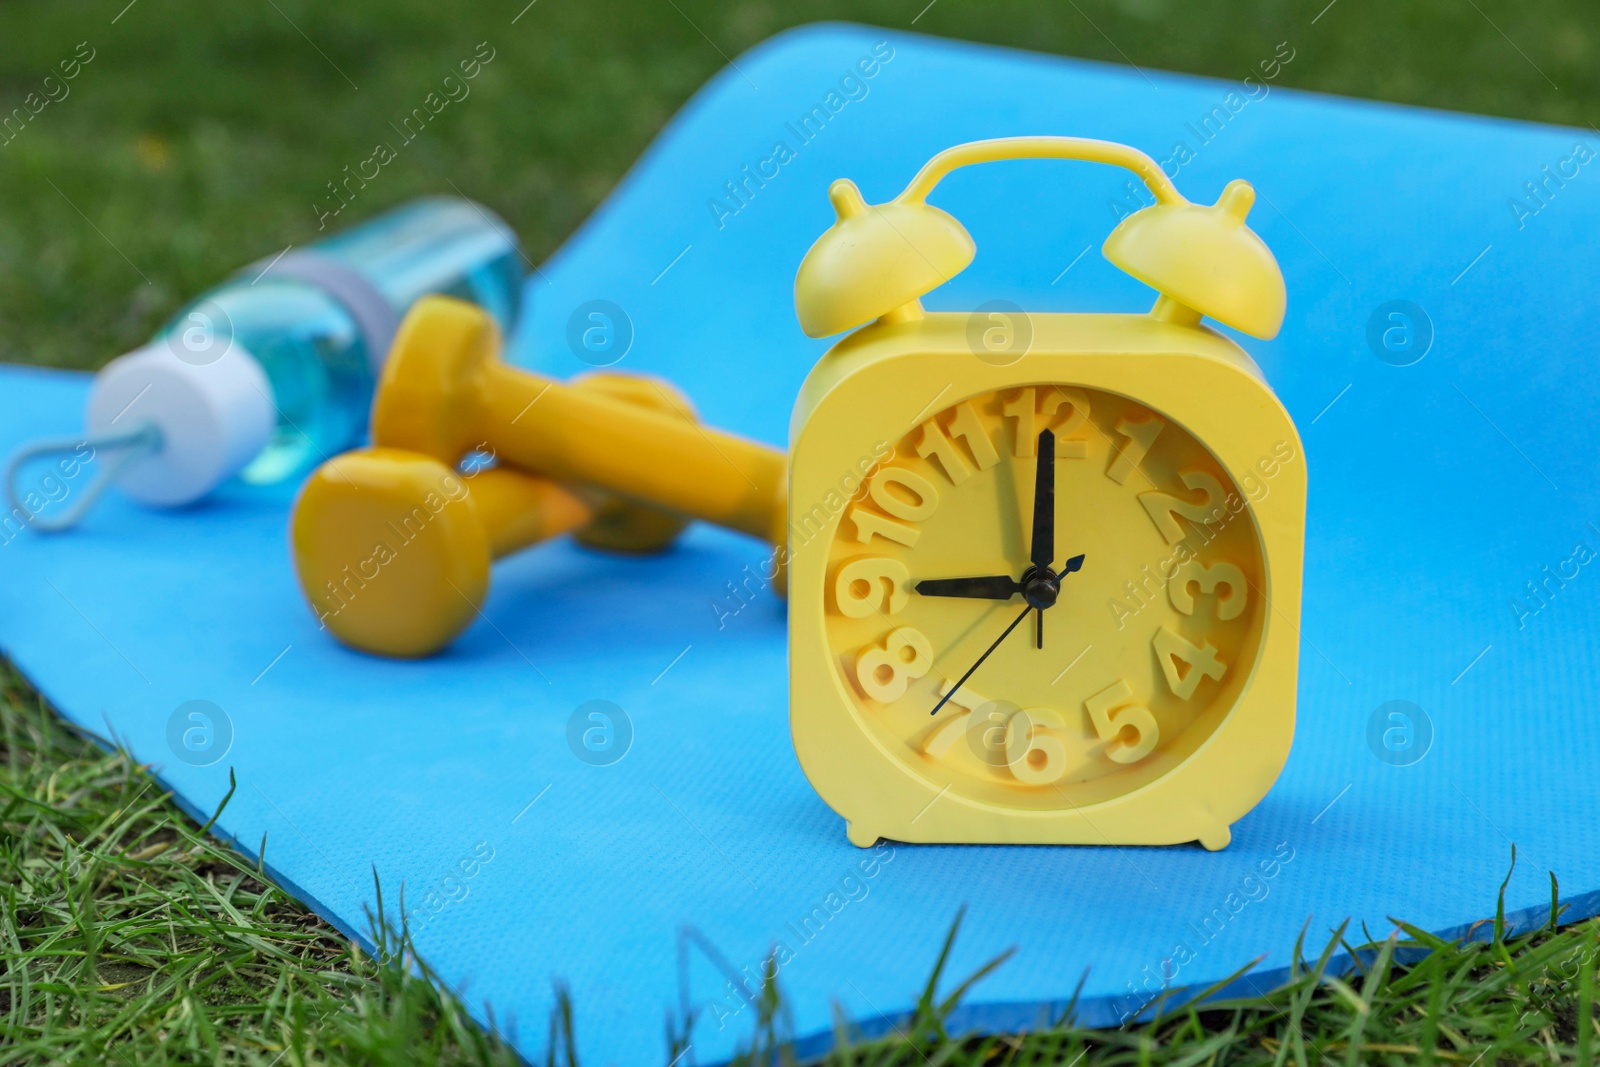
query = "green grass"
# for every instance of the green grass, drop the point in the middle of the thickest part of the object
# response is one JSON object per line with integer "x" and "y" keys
{"x": 198, "y": 138}
{"x": 130, "y": 936}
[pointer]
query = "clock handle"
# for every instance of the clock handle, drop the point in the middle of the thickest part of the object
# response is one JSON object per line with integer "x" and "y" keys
{"x": 878, "y": 260}
{"x": 1086, "y": 149}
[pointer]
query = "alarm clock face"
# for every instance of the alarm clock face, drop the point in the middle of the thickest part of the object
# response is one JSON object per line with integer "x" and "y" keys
{"x": 1094, "y": 675}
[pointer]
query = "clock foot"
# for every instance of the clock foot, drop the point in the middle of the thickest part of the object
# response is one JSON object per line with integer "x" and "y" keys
{"x": 859, "y": 835}
{"x": 1216, "y": 840}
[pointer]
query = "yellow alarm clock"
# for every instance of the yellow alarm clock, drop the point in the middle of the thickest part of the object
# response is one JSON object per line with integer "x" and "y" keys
{"x": 1045, "y": 569}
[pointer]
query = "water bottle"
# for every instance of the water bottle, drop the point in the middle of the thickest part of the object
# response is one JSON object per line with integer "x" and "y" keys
{"x": 273, "y": 371}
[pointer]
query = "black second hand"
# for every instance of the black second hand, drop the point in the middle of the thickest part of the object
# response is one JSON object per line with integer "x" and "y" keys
{"x": 946, "y": 698}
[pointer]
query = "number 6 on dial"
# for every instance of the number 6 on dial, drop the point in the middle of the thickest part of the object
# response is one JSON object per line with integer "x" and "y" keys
{"x": 1112, "y": 710}
{"x": 1035, "y": 757}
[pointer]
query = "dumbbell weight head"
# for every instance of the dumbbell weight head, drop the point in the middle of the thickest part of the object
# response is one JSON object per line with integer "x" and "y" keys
{"x": 393, "y": 548}
{"x": 429, "y": 393}
{"x": 429, "y": 400}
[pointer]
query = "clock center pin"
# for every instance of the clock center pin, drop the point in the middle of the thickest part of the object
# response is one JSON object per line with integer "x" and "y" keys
{"x": 1040, "y": 587}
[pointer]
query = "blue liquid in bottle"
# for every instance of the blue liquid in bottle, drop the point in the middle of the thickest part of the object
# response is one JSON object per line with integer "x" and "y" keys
{"x": 273, "y": 371}
{"x": 319, "y": 323}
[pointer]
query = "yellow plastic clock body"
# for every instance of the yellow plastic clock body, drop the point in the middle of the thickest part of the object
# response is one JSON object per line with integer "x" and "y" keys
{"x": 1124, "y": 673}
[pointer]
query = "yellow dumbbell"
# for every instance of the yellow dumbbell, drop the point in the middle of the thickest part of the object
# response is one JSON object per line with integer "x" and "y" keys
{"x": 445, "y": 391}
{"x": 393, "y": 548}
{"x": 359, "y": 509}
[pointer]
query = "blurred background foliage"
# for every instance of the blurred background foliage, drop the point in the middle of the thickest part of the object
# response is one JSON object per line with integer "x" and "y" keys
{"x": 199, "y": 136}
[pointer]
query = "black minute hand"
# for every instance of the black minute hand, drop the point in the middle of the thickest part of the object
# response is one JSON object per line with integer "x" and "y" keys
{"x": 1044, "y": 502}
{"x": 1044, "y": 517}
{"x": 994, "y": 587}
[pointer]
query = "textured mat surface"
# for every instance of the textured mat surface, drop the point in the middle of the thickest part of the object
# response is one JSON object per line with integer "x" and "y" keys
{"x": 1439, "y": 491}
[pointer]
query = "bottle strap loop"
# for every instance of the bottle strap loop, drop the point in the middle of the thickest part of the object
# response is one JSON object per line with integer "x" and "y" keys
{"x": 119, "y": 449}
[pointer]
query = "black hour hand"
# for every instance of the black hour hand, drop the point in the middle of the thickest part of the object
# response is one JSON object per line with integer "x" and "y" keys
{"x": 995, "y": 587}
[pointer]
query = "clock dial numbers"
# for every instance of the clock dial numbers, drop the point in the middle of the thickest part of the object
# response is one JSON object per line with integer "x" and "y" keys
{"x": 946, "y": 734}
{"x": 870, "y": 524}
{"x": 1067, "y": 412}
{"x": 1165, "y": 509}
{"x": 923, "y": 501}
{"x": 1023, "y": 411}
{"x": 1024, "y": 744}
{"x": 1140, "y": 434}
{"x": 986, "y": 736}
{"x": 1035, "y": 756}
{"x": 1113, "y": 712}
{"x": 885, "y": 670}
{"x": 949, "y": 730}
{"x": 1184, "y": 663}
{"x": 935, "y": 444}
{"x": 1152, "y": 639}
{"x": 924, "y": 498}
{"x": 1063, "y": 410}
{"x": 1224, "y": 580}
{"x": 963, "y": 697}
{"x": 970, "y": 428}
{"x": 871, "y": 585}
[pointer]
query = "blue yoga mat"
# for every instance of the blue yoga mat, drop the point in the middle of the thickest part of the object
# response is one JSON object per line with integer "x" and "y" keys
{"x": 1450, "y": 547}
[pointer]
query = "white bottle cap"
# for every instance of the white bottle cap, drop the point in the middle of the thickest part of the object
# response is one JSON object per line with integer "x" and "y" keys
{"x": 214, "y": 418}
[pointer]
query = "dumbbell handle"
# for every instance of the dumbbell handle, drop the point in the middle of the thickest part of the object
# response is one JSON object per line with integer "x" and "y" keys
{"x": 545, "y": 426}
{"x": 517, "y": 510}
